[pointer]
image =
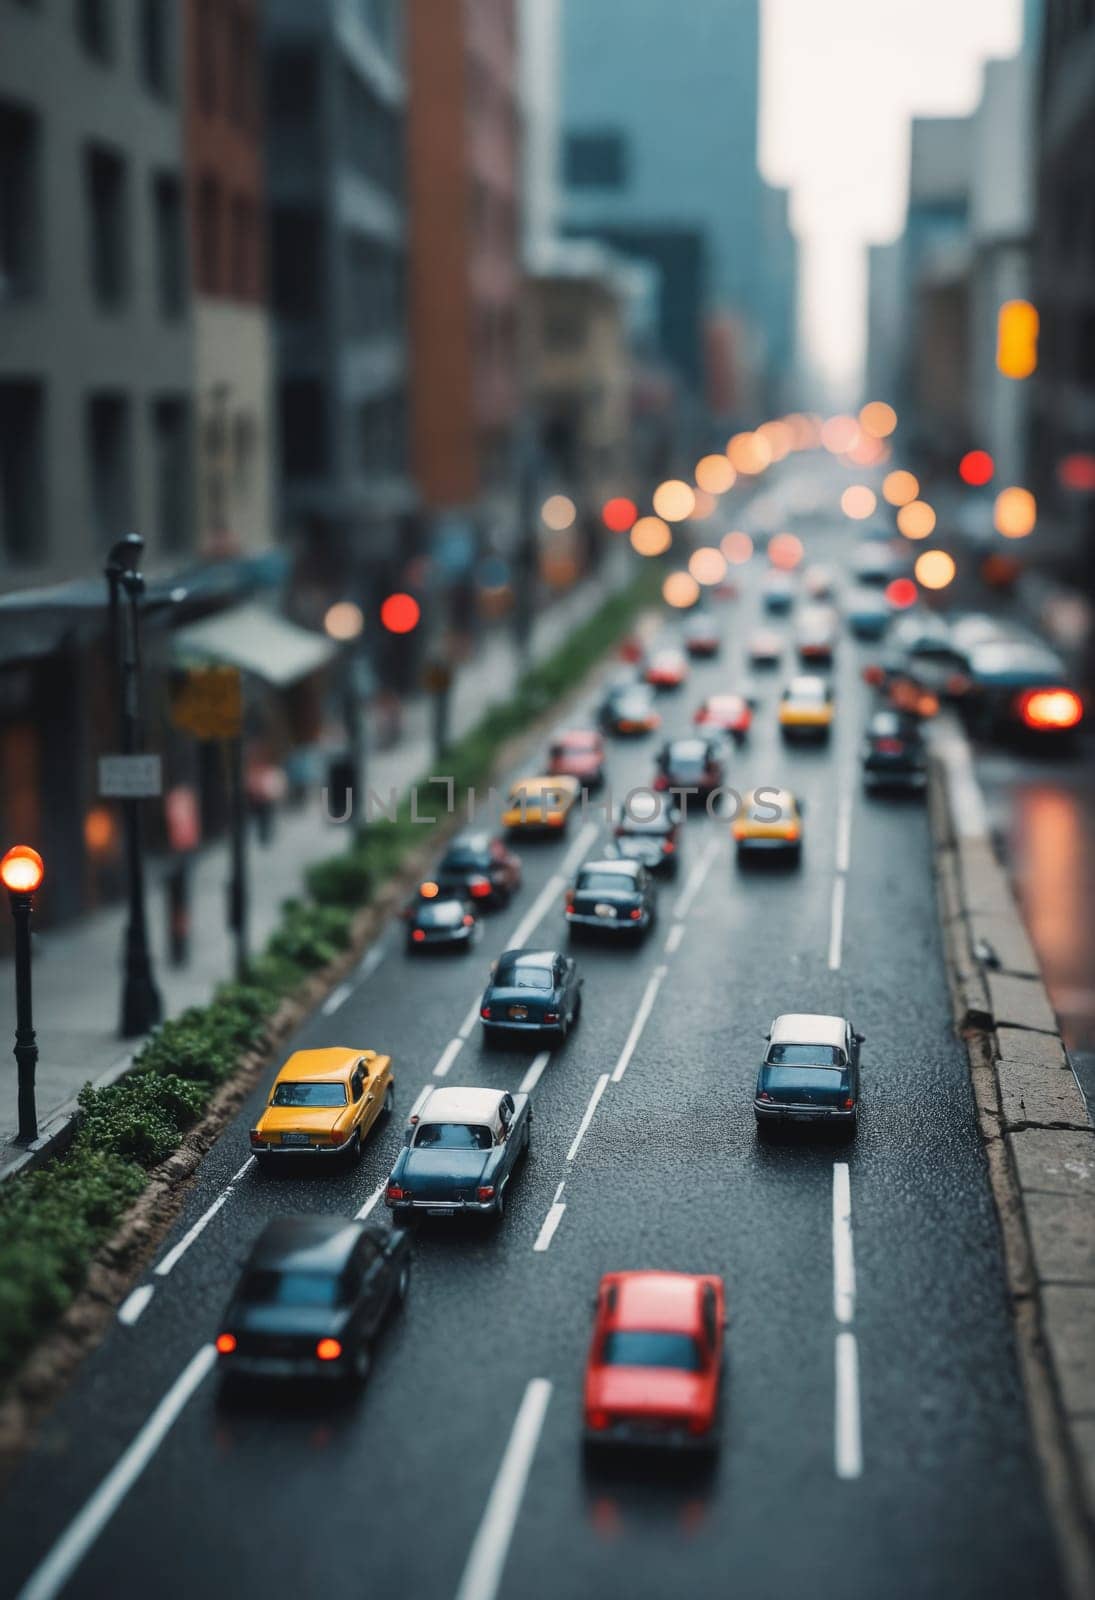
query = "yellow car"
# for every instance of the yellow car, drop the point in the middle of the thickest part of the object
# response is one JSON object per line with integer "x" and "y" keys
{"x": 769, "y": 822}
{"x": 806, "y": 709}
{"x": 536, "y": 804}
{"x": 322, "y": 1105}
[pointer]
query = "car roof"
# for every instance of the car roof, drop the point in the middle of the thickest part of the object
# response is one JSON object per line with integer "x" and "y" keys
{"x": 470, "y": 839}
{"x": 462, "y": 1105}
{"x": 808, "y": 1027}
{"x": 783, "y": 798}
{"x": 621, "y": 867}
{"x": 807, "y": 685}
{"x": 655, "y": 1300}
{"x": 338, "y": 1061}
{"x": 528, "y": 958}
{"x": 306, "y": 1244}
{"x": 545, "y": 783}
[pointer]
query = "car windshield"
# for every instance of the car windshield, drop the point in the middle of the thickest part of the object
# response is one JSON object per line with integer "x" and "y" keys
{"x": 464, "y": 859}
{"x": 635, "y": 1348}
{"x": 637, "y": 846}
{"x": 807, "y": 689}
{"x": 452, "y": 1136}
{"x": 805, "y": 1055}
{"x": 520, "y": 976}
{"x": 267, "y": 1286}
{"x": 606, "y": 883}
{"x": 686, "y": 753}
{"x": 309, "y": 1094}
{"x": 645, "y": 825}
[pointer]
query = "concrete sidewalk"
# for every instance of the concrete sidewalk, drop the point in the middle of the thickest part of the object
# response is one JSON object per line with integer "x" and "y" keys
{"x": 77, "y": 968}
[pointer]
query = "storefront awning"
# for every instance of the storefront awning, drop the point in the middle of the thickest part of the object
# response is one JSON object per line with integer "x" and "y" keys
{"x": 255, "y": 640}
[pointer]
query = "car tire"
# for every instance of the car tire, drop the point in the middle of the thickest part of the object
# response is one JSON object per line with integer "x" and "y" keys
{"x": 388, "y": 1107}
{"x": 356, "y": 1150}
{"x": 403, "y": 1282}
{"x": 498, "y": 1210}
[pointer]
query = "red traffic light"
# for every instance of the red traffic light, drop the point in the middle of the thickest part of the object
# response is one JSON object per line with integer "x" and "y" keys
{"x": 400, "y": 613}
{"x": 976, "y": 468}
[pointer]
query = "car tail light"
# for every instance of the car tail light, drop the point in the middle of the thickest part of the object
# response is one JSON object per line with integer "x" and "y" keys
{"x": 418, "y": 936}
{"x": 226, "y": 1343}
{"x": 597, "y": 1421}
{"x": 485, "y": 1192}
{"x": 668, "y": 847}
{"x": 394, "y": 1192}
{"x": 889, "y": 747}
{"x": 328, "y": 1349}
{"x": 740, "y": 830}
{"x": 484, "y": 1012}
{"x": 469, "y": 920}
{"x": 874, "y": 676}
{"x": 479, "y": 888}
{"x": 551, "y": 1016}
{"x": 636, "y": 913}
{"x": 1051, "y": 709}
{"x": 697, "y": 1425}
{"x": 556, "y": 819}
{"x": 849, "y": 1103}
{"x": 957, "y": 684}
{"x": 661, "y": 782}
{"x": 764, "y": 1095}
{"x": 256, "y": 1139}
{"x": 570, "y": 900}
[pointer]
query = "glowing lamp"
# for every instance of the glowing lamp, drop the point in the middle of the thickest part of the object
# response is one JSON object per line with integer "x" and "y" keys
{"x": 22, "y": 870}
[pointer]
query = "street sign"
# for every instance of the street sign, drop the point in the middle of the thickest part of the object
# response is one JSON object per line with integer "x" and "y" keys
{"x": 130, "y": 777}
{"x": 209, "y": 703}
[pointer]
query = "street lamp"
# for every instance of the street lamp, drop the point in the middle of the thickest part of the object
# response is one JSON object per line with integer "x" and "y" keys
{"x": 21, "y": 872}
{"x": 142, "y": 1007}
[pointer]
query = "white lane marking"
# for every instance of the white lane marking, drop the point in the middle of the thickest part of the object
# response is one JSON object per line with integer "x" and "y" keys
{"x": 236, "y": 1176}
{"x": 695, "y": 880}
{"x": 844, "y": 831}
{"x": 51, "y": 1576}
{"x": 843, "y": 1257}
{"x": 551, "y": 1222}
{"x": 336, "y": 998}
{"x": 470, "y": 1020}
{"x": 374, "y": 1199}
{"x": 552, "y": 889}
{"x": 559, "y": 1191}
{"x": 132, "y": 1306}
{"x": 836, "y": 923}
{"x": 370, "y": 961}
{"x": 487, "y": 1557}
{"x": 601, "y": 1086}
{"x": 673, "y": 942}
{"x": 174, "y": 1256}
{"x": 848, "y": 1454}
{"x": 427, "y": 1090}
{"x": 642, "y": 1016}
{"x": 574, "y": 856}
{"x": 448, "y": 1056}
{"x": 535, "y": 1072}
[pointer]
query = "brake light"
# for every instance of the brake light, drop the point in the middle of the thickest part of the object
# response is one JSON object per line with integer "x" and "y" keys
{"x": 849, "y": 1103}
{"x": 764, "y": 1095}
{"x": 226, "y": 1343}
{"x": 1051, "y": 709}
{"x": 740, "y": 830}
{"x": 551, "y": 1016}
{"x": 418, "y": 936}
{"x": 469, "y": 920}
{"x": 570, "y": 900}
{"x": 873, "y": 676}
{"x": 485, "y": 1192}
{"x": 597, "y": 1421}
{"x": 791, "y": 831}
{"x": 328, "y": 1349}
{"x": 484, "y": 1012}
{"x": 636, "y": 913}
{"x": 394, "y": 1192}
{"x": 661, "y": 782}
{"x": 479, "y": 888}
{"x": 889, "y": 747}
{"x": 256, "y": 1139}
{"x": 668, "y": 847}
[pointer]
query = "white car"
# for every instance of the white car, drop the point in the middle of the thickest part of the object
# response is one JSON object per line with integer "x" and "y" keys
{"x": 462, "y": 1148}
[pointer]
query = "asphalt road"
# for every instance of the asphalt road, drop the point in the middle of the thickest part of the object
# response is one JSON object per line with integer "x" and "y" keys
{"x": 875, "y": 1441}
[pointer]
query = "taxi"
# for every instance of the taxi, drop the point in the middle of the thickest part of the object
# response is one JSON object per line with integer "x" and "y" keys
{"x": 769, "y": 823}
{"x": 322, "y": 1106}
{"x": 806, "y": 709}
{"x": 542, "y": 804}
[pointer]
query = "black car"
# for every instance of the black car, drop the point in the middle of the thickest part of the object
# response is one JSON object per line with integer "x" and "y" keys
{"x": 615, "y": 897}
{"x": 893, "y": 752}
{"x": 312, "y": 1299}
{"x": 462, "y": 1148}
{"x": 649, "y": 834}
{"x": 810, "y": 1073}
{"x": 628, "y": 709}
{"x": 440, "y": 922}
{"x": 479, "y": 868}
{"x": 531, "y": 992}
{"x": 691, "y": 763}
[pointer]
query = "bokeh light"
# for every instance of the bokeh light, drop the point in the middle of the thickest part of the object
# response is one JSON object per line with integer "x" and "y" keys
{"x": 651, "y": 536}
{"x": 1015, "y": 513}
{"x": 867, "y": 452}
{"x": 901, "y": 593}
{"x": 558, "y": 512}
{"x": 22, "y": 869}
{"x": 706, "y": 505}
{"x": 680, "y": 590}
{"x": 839, "y": 433}
{"x": 400, "y": 613}
{"x": 749, "y": 453}
{"x": 674, "y": 500}
{"x": 858, "y": 501}
{"x": 343, "y": 621}
{"x": 99, "y": 830}
{"x": 778, "y": 436}
{"x": 878, "y": 419}
{"x": 785, "y": 551}
{"x": 737, "y": 547}
{"x": 707, "y": 565}
{"x": 900, "y": 487}
{"x": 619, "y": 514}
{"x": 976, "y": 468}
{"x": 934, "y": 569}
{"x": 715, "y": 475}
{"x": 916, "y": 520}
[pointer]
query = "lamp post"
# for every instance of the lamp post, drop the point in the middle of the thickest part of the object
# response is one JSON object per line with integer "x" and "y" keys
{"x": 142, "y": 1007}
{"x": 21, "y": 872}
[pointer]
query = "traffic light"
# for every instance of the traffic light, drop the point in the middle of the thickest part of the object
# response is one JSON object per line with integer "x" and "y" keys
{"x": 1017, "y": 339}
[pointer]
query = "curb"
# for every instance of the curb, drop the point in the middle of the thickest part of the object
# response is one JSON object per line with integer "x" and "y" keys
{"x": 1039, "y": 1144}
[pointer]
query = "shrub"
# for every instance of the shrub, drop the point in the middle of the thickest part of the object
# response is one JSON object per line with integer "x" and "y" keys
{"x": 140, "y": 1118}
{"x": 340, "y": 881}
{"x": 311, "y": 936}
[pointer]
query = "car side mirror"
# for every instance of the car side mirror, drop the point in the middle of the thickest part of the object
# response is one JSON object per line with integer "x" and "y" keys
{"x": 860, "y": 1038}
{"x": 767, "y": 1036}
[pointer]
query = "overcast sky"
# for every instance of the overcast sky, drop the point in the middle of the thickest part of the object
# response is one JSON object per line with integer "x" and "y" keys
{"x": 840, "y": 80}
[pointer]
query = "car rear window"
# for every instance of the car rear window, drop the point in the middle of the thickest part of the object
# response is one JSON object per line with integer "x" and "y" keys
{"x": 452, "y": 1136}
{"x": 605, "y": 883}
{"x": 463, "y": 860}
{"x": 309, "y": 1094}
{"x": 638, "y": 1348}
{"x": 519, "y": 976}
{"x": 805, "y": 1055}
{"x": 266, "y": 1286}
{"x": 441, "y": 914}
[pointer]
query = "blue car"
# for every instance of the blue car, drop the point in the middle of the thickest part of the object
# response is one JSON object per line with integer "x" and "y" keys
{"x": 462, "y": 1148}
{"x": 530, "y": 993}
{"x": 810, "y": 1073}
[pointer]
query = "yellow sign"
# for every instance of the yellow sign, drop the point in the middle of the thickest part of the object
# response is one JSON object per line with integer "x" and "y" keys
{"x": 1017, "y": 339}
{"x": 209, "y": 703}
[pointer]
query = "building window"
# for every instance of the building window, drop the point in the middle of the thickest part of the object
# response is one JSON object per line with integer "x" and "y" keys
{"x": 374, "y": 134}
{"x": 170, "y": 244}
{"x": 206, "y": 20}
{"x": 172, "y": 464}
{"x": 95, "y": 27}
{"x": 22, "y": 478}
{"x": 382, "y": 436}
{"x": 110, "y": 466}
{"x": 303, "y": 419}
{"x": 155, "y": 20}
{"x": 18, "y": 203}
{"x": 595, "y": 161}
{"x": 105, "y": 190}
{"x": 297, "y": 261}
{"x": 291, "y": 84}
{"x": 374, "y": 287}
{"x": 209, "y": 235}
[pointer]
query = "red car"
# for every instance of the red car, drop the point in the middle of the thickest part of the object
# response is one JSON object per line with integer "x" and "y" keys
{"x": 701, "y": 637}
{"x": 655, "y": 1362}
{"x": 578, "y": 753}
{"x": 666, "y": 669}
{"x": 725, "y": 713}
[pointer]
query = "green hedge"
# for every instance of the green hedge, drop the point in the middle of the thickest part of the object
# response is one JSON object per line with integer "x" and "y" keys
{"x": 53, "y": 1220}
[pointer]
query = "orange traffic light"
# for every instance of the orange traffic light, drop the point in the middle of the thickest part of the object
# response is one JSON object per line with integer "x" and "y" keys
{"x": 1017, "y": 339}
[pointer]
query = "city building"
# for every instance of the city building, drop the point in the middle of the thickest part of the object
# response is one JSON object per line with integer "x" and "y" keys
{"x": 336, "y": 181}
{"x": 463, "y": 196}
{"x": 885, "y": 294}
{"x": 224, "y": 161}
